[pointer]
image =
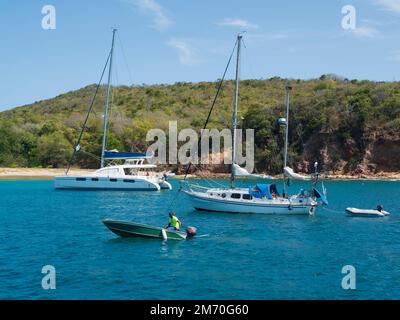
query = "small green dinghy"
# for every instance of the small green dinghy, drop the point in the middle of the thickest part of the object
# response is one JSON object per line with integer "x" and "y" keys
{"x": 132, "y": 229}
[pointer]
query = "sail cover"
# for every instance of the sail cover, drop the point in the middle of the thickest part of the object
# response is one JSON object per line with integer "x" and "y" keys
{"x": 126, "y": 155}
{"x": 242, "y": 172}
{"x": 320, "y": 196}
{"x": 291, "y": 174}
{"x": 260, "y": 190}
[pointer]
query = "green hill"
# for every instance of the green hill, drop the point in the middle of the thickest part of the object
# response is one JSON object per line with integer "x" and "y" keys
{"x": 348, "y": 126}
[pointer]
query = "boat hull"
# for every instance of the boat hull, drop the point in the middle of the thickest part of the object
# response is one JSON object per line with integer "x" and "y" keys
{"x": 204, "y": 203}
{"x": 131, "y": 229}
{"x": 165, "y": 185}
{"x": 105, "y": 183}
{"x": 354, "y": 212}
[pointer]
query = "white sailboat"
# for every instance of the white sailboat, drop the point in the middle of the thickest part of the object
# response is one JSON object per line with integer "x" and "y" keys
{"x": 242, "y": 173}
{"x": 132, "y": 174}
{"x": 261, "y": 198}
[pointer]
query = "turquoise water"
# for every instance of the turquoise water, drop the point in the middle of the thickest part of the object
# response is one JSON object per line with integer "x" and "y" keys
{"x": 243, "y": 256}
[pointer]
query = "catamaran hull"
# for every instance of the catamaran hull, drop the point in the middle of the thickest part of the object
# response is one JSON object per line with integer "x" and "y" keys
{"x": 165, "y": 185}
{"x": 216, "y": 205}
{"x": 104, "y": 183}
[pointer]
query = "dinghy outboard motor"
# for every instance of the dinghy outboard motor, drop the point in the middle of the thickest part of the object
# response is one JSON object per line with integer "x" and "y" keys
{"x": 191, "y": 231}
{"x": 379, "y": 207}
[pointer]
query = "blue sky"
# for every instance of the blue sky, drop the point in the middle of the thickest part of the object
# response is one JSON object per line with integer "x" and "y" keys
{"x": 165, "y": 41}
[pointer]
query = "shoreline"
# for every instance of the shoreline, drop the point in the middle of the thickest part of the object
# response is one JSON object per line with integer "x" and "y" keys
{"x": 50, "y": 173}
{"x": 37, "y": 173}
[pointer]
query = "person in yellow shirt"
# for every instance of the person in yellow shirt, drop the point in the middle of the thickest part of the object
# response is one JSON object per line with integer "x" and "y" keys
{"x": 174, "y": 223}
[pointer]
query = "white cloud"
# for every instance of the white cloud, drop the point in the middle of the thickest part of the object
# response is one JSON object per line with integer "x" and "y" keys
{"x": 390, "y": 5}
{"x": 228, "y": 22}
{"x": 161, "y": 21}
{"x": 185, "y": 51}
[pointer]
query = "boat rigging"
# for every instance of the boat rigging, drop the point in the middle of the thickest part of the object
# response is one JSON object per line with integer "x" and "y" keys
{"x": 262, "y": 197}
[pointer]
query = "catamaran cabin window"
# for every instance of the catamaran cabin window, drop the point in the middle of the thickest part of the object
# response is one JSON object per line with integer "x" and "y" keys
{"x": 80, "y": 179}
{"x": 109, "y": 171}
{"x": 235, "y": 195}
{"x": 95, "y": 179}
{"x": 131, "y": 171}
{"x": 113, "y": 180}
{"x": 129, "y": 180}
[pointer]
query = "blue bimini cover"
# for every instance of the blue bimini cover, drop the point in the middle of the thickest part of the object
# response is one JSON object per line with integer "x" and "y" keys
{"x": 260, "y": 190}
{"x": 125, "y": 155}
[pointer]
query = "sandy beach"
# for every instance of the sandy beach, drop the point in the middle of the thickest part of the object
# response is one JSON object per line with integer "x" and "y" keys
{"x": 36, "y": 173}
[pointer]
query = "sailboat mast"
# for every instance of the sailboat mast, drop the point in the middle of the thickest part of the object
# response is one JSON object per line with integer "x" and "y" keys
{"x": 107, "y": 100}
{"x": 287, "y": 101}
{"x": 235, "y": 107}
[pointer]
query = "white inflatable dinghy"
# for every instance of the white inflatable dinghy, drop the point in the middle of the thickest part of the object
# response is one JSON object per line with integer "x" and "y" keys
{"x": 366, "y": 212}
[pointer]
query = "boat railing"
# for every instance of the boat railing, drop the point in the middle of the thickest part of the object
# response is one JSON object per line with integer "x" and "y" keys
{"x": 194, "y": 187}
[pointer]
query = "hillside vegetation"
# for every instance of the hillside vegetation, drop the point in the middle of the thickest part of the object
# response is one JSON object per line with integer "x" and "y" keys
{"x": 350, "y": 127}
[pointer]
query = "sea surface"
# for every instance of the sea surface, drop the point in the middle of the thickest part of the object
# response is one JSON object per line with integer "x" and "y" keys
{"x": 237, "y": 256}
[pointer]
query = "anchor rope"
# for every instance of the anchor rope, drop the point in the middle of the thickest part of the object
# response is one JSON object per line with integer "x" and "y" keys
{"x": 331, "y": 210}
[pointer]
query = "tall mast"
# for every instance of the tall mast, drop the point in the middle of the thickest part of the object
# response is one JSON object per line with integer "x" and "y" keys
{"x": 235, "y": 107}
{"x": 287, "y": 101}
{"x": 107, "y": 99}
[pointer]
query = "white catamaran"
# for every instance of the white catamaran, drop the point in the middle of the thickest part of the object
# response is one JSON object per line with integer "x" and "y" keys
{"x": 260, "y": 198}
{"x": 133, "y": 174}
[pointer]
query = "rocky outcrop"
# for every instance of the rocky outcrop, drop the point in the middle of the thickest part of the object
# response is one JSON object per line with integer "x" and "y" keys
{"x": 380, "y": 153}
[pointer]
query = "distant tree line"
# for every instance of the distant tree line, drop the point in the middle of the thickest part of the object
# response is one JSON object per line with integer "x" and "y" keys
{"x": 347, "y": 114}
